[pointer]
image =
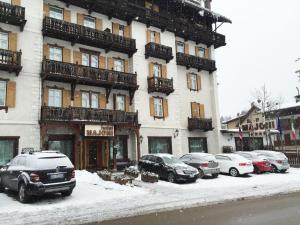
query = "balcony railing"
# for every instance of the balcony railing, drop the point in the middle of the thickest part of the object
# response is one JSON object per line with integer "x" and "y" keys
{"x": 158, "y": 51}
{"x": 10, "y": 61}
{"x": 159, "y": 84}
{"x": 83, "y": 115}
{"x": 190, "y": 61}
{"x": 68, "y": 72}
{"x": 200, "y": 124}
{"x": 12, "y": 14}
{"x": 84, "y": 35}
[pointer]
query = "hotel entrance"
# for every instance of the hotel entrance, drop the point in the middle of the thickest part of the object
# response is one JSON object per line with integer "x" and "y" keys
{"x": 97, "y": 153}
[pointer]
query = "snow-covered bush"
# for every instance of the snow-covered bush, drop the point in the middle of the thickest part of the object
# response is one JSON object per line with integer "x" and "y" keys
{"x": 149, "y": 177}
{"x": 123, "y": 179}
{"x": 132, "y": 171}
{"x": 105, "y": 175}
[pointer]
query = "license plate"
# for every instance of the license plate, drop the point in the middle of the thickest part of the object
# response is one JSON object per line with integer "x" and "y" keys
{"x": 57, "y": 176}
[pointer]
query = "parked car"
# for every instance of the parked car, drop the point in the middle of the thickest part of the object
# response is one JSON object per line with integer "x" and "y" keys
{"x": 278, "y": 160}
{"x": 206, "y": 164}
{"x": 36, "y": 173}
{"x": 260, "y": 163}
{"x": 168, "y": 168}
{"x": 234, "y": 164}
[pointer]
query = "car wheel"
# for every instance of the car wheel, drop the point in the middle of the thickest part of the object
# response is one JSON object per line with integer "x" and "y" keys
{"x": 234, "y": 172}
{"x": 171, "y": 178}
{"x": 256, "y": 170}
{"x": 274, "y": 169}
{"x": 201, "y": 173}
{"x": 2, "y": 189}
{"x": 23, "y": 195}
{"x": 66, "y": 193}
{"x": 283, "y": 171}
{"x": 215, "y": 175}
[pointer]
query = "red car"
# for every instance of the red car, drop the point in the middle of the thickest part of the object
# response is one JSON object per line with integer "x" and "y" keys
{"x": 260, "y": 164}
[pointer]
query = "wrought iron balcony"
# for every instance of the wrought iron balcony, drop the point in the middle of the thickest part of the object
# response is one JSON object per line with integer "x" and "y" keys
{"x": 83, "y": 115}
{"x": 69, "y": 73}
{"x": 87, "y": 36}
{"x": 12, "y": 14}
{"x": 200, "y": 124}
{"x": 158, "y": 51}
{"x": 10, "y": 61}
{"x": 191, "y": 61}
{"x": 159, "y": 84}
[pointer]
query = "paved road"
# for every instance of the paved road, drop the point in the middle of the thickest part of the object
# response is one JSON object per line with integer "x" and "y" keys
{"x": 279, "y": 210}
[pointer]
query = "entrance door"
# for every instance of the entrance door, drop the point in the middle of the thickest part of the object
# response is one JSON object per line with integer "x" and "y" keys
{"x": 94, "y": 154}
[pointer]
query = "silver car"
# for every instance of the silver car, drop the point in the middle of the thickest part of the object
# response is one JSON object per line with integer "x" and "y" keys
{"x": 206, "y": 164}
{"x": 278, "y": 160}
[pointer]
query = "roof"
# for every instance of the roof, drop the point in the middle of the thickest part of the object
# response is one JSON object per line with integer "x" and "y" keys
{"x": 272, "y": 131}
{"x": 290, "y": 105}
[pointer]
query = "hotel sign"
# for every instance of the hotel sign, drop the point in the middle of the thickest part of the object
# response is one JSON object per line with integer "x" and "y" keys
{"x": 99, "y": 131}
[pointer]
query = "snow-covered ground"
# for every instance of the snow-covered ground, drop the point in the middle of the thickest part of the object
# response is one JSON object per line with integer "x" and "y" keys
{"x": 96, "y": 200}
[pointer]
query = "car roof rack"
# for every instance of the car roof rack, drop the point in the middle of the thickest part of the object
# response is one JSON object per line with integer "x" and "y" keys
{"x": 27, "y": 151}
{"x": 50, "y": 151}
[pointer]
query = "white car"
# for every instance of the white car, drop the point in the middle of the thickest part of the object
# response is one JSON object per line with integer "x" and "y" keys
{"x": 278, "y": 160}
{"x": 234, "y": 164}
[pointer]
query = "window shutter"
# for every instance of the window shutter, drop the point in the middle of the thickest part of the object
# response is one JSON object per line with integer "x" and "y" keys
{"x": 157, "y": 37}
{"x": 127, "y": 31}
{"x": 102, "y": 62}
{"x": 115, "y": 28}
{"x": 164, "y": 71}
{"x": 127, "y": 102}
{"x": 115, "y": 101}
{"x": 199, "y": 83}
{"x": 188, "y": 79}
{"x": 126, "y": 65}
{"x": 206, "y": 53}
{"x": 148, "y": 5}
{"x": 155, "y": 8}
{"x": 151, "y": 105}
{"x": 77, "y": 57}
{"x": 66, "y": 55}
{"x": 66, "y": 98}
{"x": 111, "y": 63}
{"x": 77, "y": 99}
{"x": 186, "y": 48}
{"x": 16, "y": 2}
{"x": 67, "y": 15}
{"x": 148, "y": 36}
{"x": 46, "y": 51}
{"x": 12, "y": 41}
{"x": 166, "y": 108}
{"x": 11, "y": 94}
{"x": 151, "y": 69}
{"x": 46, "y": 10}
{"x": 202, "y": 111}
{"x": 80, "y": 19}
{"x": 102, "y": 103}
{"x": 45, "y": 96}
{"x": 195, "y": 110}
{"x": 99, "y": 24}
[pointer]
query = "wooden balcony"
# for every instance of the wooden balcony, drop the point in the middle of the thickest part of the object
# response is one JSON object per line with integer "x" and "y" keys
{"x": 200, "y": 124}
{"x": 87, "y": 36}
{"x": 219, "y": 40}
{"x": 159, "y": 84}
{"x": 88, "y": 115}
{"x": 158, "y": 51}
{"x": 10, "y": 61}
{"x": 12, "y": 14}
{"x": 191, "y": 61}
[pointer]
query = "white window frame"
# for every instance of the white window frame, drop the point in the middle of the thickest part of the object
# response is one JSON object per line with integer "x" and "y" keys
{"x": 6, "y": 1}
{"x": 85, "y": 60}
{"x": 56, "y": 12}
{"x": 180, "y": 47}
{"x": 85, "y": 99}
{"x": 89, "y": 22}
{"x": 120, "y": 102}
{"x": 2, "y": 82}
{"x": 156, "y": 70}
{"x": 200, "y": 52}
{"x": 194, "y": 81}
{"x": 158, "y": 107}
{"x": 94, "y": 63}
{"x": 152, "y": 36}
{"x": 94, "y": 100}
{"x": 121, "y": 31}
{"x": 55, "y": 97}
{"x": 56, "y": 53}
{"x": 119, "y": 67}
{"x": 4, "y": 40}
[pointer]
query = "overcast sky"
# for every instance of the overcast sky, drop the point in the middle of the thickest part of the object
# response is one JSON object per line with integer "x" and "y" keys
{"x": 263, "y": 43}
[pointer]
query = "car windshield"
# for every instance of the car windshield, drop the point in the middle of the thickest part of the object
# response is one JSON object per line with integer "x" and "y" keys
{"x": 237, "y": 157}
{"x": 171, "y": 160}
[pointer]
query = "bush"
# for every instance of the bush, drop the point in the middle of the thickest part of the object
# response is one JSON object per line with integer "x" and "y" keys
{"x": 123, "y": 179}
{"x": 105, "y": 175}
{"x": 149, "y": 177}
{"x": 132, "y": 172}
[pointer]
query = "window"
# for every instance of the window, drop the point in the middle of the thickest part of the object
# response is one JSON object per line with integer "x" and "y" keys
{"x": 91, "y": 60}
{"x": 90, "y": 100}
{"x": 3, "y": 40}
{"x": 121, "y": 30}
{"x": 160, "y": 145}
{"x": 94, "y": 101}
{"x": 8, "y": 150}
{"x": 119, "y": 65}
{"x": 180, "y": 47}
{"x": 198, "y": 145}
{"x": 6, "y": 1}
{"x": 200, "y": 52}
{"x": 152, "y": 36}
{"x": 158, "y": 107}
{"x": 120, "y": 102}
{"x": 157, "y": 70}
{"x": 85, "y": 100}
{"x": 122, "y": 151}
{"x": 2, "y": 93}
{"x": 89, "y": 22}
{"x": 55, "y": 98}
{"x": 56, "y": 13}
{"x": 55, "y": 53}
{"x": 62, "y": 144}
{"x": 194, "y": 85}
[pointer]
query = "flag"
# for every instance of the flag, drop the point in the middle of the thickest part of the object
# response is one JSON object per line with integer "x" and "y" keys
{"x": 279, "y": 128}
{"x": 293, "y": 129}
{"x": 240, "y": 132}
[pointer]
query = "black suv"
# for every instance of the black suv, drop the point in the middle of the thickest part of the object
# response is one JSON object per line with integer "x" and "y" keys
{"x": 37, "y": 173}
{"x": 168, "y": 167}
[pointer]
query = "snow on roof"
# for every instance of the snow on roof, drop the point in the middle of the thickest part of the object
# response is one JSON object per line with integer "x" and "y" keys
{"x": 290, "y": 105}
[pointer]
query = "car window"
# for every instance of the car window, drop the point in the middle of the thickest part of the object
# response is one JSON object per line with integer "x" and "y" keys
{"x": 246, "y": 155}
{"x": 159, "y": 160}
{"x": 221, "y": 157}
{"x": 186, "y": 158}
{"x": 145, "y": 157}
{"x": 49, "y": 162}
{"x": 151, "y": 158}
